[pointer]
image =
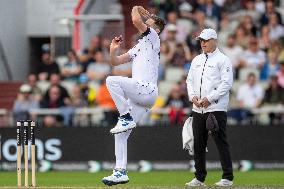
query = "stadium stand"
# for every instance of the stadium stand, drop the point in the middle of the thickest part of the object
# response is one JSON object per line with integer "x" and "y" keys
{"x": 254, "y": 32}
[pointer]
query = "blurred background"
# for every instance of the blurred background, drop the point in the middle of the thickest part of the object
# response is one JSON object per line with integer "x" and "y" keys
{"x": 54, "y": 59}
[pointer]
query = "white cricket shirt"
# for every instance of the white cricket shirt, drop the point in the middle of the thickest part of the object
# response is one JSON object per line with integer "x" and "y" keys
{"x": 146, "y": 57}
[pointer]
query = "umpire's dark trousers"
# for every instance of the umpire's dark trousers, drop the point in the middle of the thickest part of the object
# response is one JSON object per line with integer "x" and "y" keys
{"x": 200, "y": 134}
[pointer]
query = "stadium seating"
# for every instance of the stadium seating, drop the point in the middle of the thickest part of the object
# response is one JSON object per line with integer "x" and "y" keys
{"x": 8, "y": 95}
{"x": 174, "y": 74}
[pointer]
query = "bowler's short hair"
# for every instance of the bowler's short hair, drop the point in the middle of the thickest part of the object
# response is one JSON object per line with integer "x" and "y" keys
{"x": 159, "y": 23}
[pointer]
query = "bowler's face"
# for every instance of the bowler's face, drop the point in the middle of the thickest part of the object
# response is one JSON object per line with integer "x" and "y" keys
{"x": 151, "y": 24}
{"x": 208, "y": 46}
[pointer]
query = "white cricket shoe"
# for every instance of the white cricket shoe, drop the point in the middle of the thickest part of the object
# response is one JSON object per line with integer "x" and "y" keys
{"x": 117, "y": 177}
{"x": 224, "y": 182}
{"x": 123, "y": 125}
{"x": 195, "y": 183}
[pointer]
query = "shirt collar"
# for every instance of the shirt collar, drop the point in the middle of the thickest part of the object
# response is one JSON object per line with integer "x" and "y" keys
{"x": 145, "y": 33}
{"x": 212, "y": 53}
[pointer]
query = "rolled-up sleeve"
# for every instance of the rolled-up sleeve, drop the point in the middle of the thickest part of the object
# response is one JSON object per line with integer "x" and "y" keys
{"x": 226, "y": 73}
{"x": 131, "y": 52}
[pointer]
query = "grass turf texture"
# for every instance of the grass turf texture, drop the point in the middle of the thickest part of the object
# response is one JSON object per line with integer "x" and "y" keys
{"x": 155, "y": 179}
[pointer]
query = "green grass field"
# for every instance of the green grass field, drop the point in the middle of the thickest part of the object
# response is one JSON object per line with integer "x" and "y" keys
{"x": 156, "y": 179}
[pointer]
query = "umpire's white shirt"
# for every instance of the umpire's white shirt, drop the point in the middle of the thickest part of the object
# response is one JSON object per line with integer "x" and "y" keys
{"x": 210, "y": 76}
{"x": 145, "y": 57}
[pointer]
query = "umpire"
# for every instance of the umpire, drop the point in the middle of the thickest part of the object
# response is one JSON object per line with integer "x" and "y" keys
{"x": 208, "y": 82}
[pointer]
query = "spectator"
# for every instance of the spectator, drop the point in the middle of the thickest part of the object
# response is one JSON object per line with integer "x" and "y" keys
{"x": 82, "y": 96}
{"x": 177, "y": 102}
{"x": 88, "y": 93}
{"x": 72, "y": 69}
{"x": 53, "y": 100}
{"x": 99, "y": 69}
{"x": 277, "y": 46}
{"x": 220, "y": 3}
{"x": 186, "y": 16}
{"x": 55, "y": 81}
{"x": 248, "y": 26}
{"x": 166, "y": 53}
{"x": 211, "y": 10}
{"x": 201, "y": 22}
{"x": 264, "y": 38}
{"x": 250, "y": 10}
{"x": 24, "y": 103}
{"x": 77, "y": 99}
{"x": 181, "y": 29}
{"x": 164, "y": 7}
{"x": 104, "y": 100}
{"x": 105, "y": 48}
{"x": 171, "y": 36}
{"x": 234, "y": 52}
{"x": 153, "y": 9}
{"x": 186, "y": 11}
{"x": 276, "y": 30}
{"x": 241, "y": 39}
{"x": 250, "y": 94}
{"x": 193, "y": 44}
{"x": 231, "y": 6}
{"x": 36, "y": 91}
{"x": 95, "y": 44}
{"x": 47, "y": 67}
{"x": 280, "y": 74}
{"x": 260, "y": 6}
{"x": 269, "y": 7}
{"x": 227, "y": 27}
{"x": 253, "y": 57}
{"x": 159, "y": 103}
{"x": 274, "y": 95}
{"x": 181, "y": 55}
{"x": 271, "y": 66}
{"x": 85, "y": 59}
{"x": 183, "y": 87}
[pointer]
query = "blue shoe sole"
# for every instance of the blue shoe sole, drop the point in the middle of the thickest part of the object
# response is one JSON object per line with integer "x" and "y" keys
{"x": 110, "y": 183}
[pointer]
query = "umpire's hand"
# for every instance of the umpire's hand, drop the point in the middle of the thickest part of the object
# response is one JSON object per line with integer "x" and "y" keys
{"x": 197, "y": 101}
{"x": 205, "y": 102}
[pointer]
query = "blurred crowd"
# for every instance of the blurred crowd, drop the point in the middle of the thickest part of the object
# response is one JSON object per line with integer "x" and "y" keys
{"x": 250, "y": 32}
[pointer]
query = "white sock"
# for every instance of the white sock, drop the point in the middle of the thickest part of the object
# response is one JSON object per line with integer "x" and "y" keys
{"x": 121, "y": 149}
{"x": 118, "y": 150}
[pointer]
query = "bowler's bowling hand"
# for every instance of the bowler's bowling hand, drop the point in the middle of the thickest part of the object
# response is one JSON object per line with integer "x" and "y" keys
{"x": 205, "y": 102}
{"x": 116, "y": 43}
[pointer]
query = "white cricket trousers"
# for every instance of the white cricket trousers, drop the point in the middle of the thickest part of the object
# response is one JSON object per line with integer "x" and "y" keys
{"x": 130, "y": 96}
